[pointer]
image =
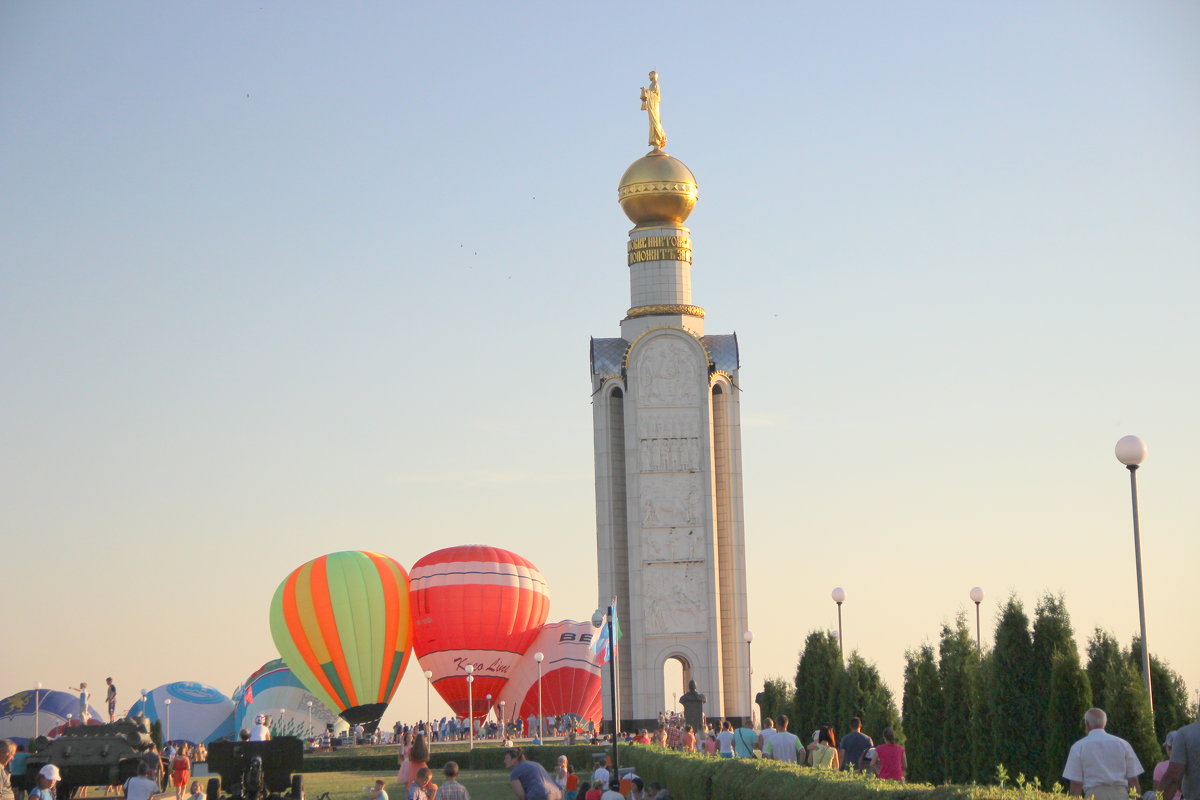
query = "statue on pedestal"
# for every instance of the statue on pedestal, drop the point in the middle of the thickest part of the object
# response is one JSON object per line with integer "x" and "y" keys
{"x": 693, "y": 708}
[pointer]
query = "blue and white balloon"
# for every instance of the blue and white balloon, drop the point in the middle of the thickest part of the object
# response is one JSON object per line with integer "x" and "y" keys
{"x": 43, "y": 712}
{"x": 198, "y": 713}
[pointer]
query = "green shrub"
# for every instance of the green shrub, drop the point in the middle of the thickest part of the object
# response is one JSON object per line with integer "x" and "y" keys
{"x": 340, "y": 761}
{"x": 686, "y": 775}
{"x": 695, "y": 777}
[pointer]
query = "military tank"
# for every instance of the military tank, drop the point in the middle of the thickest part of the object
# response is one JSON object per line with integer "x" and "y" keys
{"x": 257, "y": 770}
{"x": 95, "y": 755}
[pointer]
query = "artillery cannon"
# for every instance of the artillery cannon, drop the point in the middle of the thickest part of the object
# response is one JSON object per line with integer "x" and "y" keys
{"x": 94, "y": 755}
{"x": 257, "y": 770}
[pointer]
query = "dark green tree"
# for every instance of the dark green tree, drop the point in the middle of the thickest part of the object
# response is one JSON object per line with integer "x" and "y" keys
{"x": 818, "y": 675}
{"x": 923, "y": 709}
{"x": 958, "y": 661}
{"x": 1017, "y": 719}
{"x": 1103, "y": 652}
{"x": 862, "y": 693}
{"x": 1169, "y": 691}
{"x": 1070, "y": 697}
{"x": 983, "y": 754}
{"x": 1052, "y": 634}
{"x": 1128, "y": 710}
{"x": 777, "y": 696}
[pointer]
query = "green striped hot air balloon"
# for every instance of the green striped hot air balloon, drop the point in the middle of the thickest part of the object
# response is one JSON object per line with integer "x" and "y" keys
{"x": 342, "y": 624}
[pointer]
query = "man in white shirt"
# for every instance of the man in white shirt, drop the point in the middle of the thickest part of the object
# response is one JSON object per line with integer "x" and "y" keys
{"x": 601, "y": 774}
{"x": 260, "y": 732}
{"x": 1100, "y": 764}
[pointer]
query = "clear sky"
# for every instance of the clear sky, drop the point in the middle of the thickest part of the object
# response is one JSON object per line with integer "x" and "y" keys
{"x": 279, "y": 279}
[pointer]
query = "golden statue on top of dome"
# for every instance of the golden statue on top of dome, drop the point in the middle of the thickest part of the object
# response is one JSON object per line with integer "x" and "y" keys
{"x": 650, "y": 101}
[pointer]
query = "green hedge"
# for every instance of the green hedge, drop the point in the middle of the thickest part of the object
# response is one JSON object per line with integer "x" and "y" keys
{"x": 694, "y": 777}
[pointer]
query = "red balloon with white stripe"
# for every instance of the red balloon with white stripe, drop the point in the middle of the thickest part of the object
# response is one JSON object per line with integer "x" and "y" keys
{"x": 571, "y": 682}
{"x": 478, "y": 605}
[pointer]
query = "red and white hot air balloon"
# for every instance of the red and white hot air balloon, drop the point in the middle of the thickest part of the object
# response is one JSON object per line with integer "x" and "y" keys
{"x": 571, "y": 682}
{"x": 476, "y": 605}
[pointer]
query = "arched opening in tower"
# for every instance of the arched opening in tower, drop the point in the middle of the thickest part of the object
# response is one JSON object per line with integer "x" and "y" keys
{"x": 676, "y": 674}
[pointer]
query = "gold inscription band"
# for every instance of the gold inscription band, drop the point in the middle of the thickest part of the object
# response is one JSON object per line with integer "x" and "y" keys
{"x": 665, "y": 308}
{"x": 661, "y": 254}
{"x": 660, "y": 248}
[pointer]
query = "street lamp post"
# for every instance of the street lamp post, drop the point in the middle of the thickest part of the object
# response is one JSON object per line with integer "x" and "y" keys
{"x": 470, "y": 708}
{"x": 839, "y": 597}
{"x": 599, "y": 618}
{"x": 428, "y": 683}
{"x": 1131, "y": 451}
{"x": 503, "y": 722}
{"x": 168, "y": 702}
{"x": 539, "y": 657}
{"x": 977, "y": 596}
{"x": 310, "y": 727}
{"x": 749, "y": 637}
{"x": 37, "y": 709}
{"x": 487, "y": 710}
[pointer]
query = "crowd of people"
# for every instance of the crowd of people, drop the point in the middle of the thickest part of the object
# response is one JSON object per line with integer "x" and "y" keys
{"x": 529, "y": 780}
{"x": 856, "y": 752}
{"x": 455, "y": 729}
{"x": 1100, "y": 765}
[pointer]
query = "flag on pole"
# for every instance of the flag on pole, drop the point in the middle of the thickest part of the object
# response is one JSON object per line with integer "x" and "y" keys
{"x": 601, "y": 645}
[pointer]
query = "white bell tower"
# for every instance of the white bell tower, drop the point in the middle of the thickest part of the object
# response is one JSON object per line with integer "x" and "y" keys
{"x": 669, "y": 525}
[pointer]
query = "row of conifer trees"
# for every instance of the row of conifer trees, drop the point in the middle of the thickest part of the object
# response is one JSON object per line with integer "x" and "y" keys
{"x": 1012, "y": 710}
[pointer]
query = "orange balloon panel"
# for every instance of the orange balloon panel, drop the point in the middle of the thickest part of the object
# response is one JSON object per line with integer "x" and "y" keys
{"x": 476, "y": 605}
{"x": 571, "y": 682}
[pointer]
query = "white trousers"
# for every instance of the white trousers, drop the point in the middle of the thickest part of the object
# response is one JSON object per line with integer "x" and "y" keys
{"x": 1109, "y": 791}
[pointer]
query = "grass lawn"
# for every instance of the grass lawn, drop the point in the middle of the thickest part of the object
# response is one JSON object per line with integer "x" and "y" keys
{"x": 482, "y": 784}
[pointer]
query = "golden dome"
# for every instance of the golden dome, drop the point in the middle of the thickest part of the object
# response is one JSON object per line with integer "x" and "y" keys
{"x": 657, "y": 188}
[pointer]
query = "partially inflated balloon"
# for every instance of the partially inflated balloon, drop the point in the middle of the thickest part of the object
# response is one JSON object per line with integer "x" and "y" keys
{"x": 40, "y": 712}
{"x": 475, "y": 605}
{"x": 570, "y": 676}
{"x": 273, "y": 687}
{"x": 342, "y": 623}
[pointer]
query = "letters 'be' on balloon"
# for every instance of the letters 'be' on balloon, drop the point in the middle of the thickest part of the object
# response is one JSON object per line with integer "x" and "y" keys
{"x": 571, "y": 682}
{"x": 477, "y": 605}
{"x": 342, "y": 623}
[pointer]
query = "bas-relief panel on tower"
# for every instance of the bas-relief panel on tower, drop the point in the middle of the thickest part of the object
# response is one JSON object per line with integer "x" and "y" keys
{"x": 668, "y": 441}
{"x": 674, "y": 598}
{"x": 671, "y": 500}
{"x": 673, "y": 544}
{"x": 666, "y": 373}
